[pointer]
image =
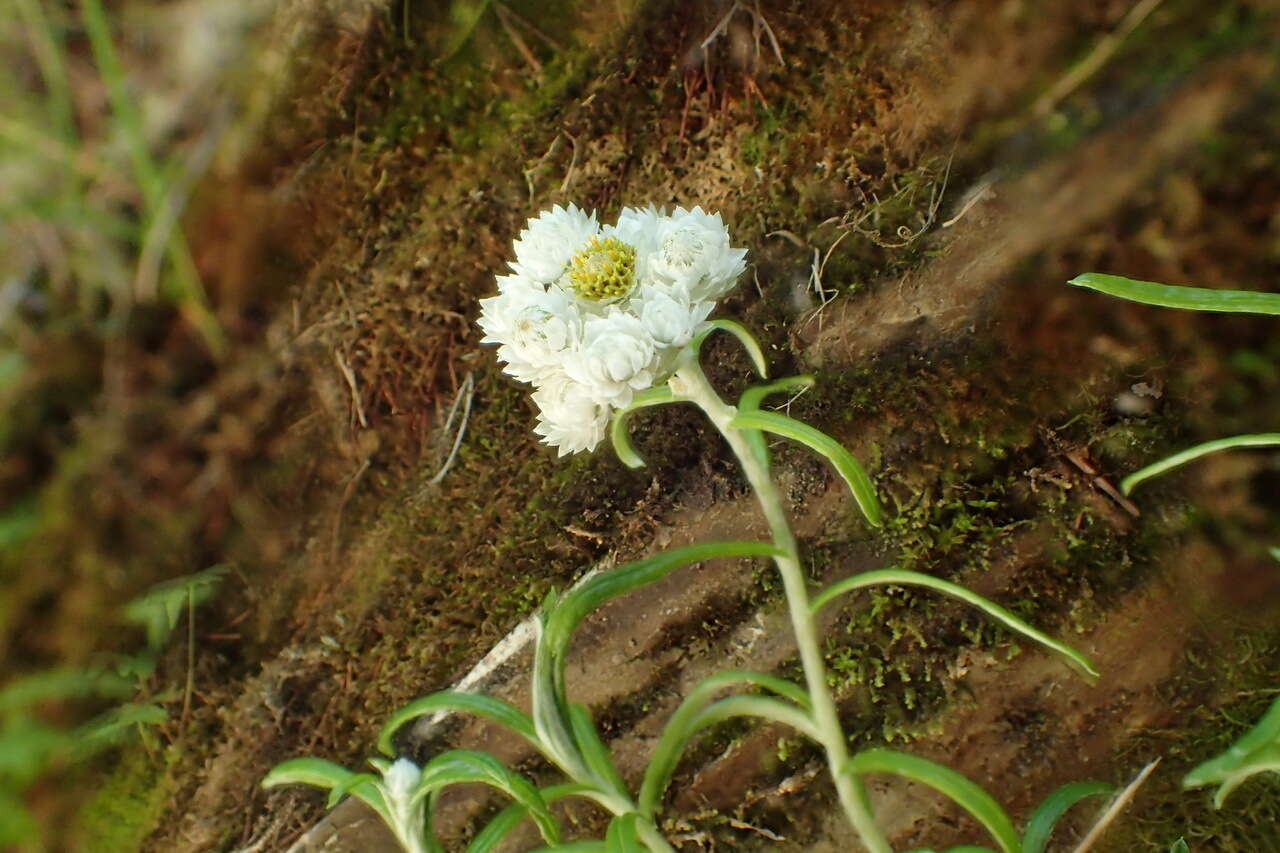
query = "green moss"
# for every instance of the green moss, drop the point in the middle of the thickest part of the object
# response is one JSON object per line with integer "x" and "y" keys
{"x": 124, "y": 807}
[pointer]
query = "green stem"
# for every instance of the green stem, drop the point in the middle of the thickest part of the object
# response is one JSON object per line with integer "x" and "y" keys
{"x": 690, "y": 383}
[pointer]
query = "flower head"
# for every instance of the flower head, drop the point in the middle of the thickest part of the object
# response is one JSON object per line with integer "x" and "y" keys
{"x": 591, "y": 315}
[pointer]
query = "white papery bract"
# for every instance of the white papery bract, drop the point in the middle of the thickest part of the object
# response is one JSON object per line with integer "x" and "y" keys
{"x": 535, "y": 327}
{"x": 570, "y": 417}
{"x": 546, "y": 245}
{"x": 592, "y": 314}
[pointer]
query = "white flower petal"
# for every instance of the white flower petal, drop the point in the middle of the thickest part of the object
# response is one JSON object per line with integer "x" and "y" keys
{"x": 545, "y": 246}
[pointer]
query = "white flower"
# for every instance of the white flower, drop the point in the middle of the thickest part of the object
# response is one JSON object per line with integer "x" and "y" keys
{"x": 535, "y": 327}
{"x": 692, "y": 250}
{"x": 570, "y": 417}
{"x": 546, "y": 245}
{"x": 616, "y": 359}
{"x": 668, "y": 317}
{"x": 591, "y": 315}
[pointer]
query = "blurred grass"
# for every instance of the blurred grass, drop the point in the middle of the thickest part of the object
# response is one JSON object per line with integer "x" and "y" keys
{"x": 91, "y": 203}
{"x": 64, "y": 181}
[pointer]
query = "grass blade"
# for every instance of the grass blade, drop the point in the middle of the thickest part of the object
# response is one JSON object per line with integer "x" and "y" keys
{"x": 449, "y": 700}
{"x": 1046, "y": 816}
{"x": 188, "y": 291}
{"x": 960, "y": 790}
{"x": 619, "y": 429}
{"x": 850, "y": 469}
{"x": 1265, "y": 439}
{"x": 744, "y": 336}
{"x": 995, "y": 611}
{"x": 1173, "y": 296}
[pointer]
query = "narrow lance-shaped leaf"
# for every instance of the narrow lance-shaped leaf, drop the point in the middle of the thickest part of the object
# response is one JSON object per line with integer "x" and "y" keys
{"x": 1265, "y": 439}
{"x": 1174, "y": 296}
{"x": 752, "y": 398}
{"x": 595, "y": 589}
{"x": 1046, "y": 816}
{"x": 562, "y": 616}
{"x": 464, "y": 765}
{"x": 327, "y": 775}
{"x": 450, "y": 700}
{"x": 744, "y": 337}
{"x": 620, "y": 427}
{"x": 694, "y": 715}
{"x": 1257, "y": 751}
{"x": 963, "y": 792}
{"x": 850, "y": 469}
{"x": 593, "y": 749}
{"x": 497, "y": 829}
{"x": 905, "y": 578}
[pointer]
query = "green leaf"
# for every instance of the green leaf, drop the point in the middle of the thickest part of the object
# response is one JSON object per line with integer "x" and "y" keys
{"x": 850, "y": 469}
{"x": 465, "y": 15}
{"x": 61, "y": 683}
{"x": 27, "y": 748}
{"x": 1257, "y": 751}
{"x": 20, "y": 523}
{"x": 464, "y": 765}
{"x": 1266, "y": 439}
{"x": 593, "y": 749}
{"x": 450, "y": 700}
{"x": 619, "y": 428}
{"x": 159, "y": 608}
{"x": 1179, "y": 846}
{"x": 1046, "y": 816}
{"x": 307, "y": 771}
{"x": 496, "y": 830}
{"x": 963, "y": 792}
{"x": 17, "y": 826}
{"x": 561, "y": 617}
{"x": 347, "y": 785}
{"x": 750, "y": 402}
{"x": 995, "y": 611}
{"x": 744, "y": 337}
{"x": 1275, "y": 552}
{"x": 694, "y": 715}
{"x": 109, "y": 728}
{"x": 622, "y": 836}
{"x": 1189, "y": 298}
{"x": 585, "y": 846}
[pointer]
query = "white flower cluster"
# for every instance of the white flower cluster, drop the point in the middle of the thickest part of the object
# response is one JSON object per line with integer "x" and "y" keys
{"x": 591, "y": 314}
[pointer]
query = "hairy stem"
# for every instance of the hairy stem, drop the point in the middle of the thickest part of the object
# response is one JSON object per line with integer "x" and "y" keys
{"x": 691, "y": 384}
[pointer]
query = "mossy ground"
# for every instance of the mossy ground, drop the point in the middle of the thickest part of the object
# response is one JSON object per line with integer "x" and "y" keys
{"x": 409, "y": 154}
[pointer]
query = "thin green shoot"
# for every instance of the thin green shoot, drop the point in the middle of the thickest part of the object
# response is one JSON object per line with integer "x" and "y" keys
{"x": 1177, "y": 460}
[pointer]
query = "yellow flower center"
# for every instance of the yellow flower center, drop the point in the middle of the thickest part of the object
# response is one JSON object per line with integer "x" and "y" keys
{"x": 605, "y": 269}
